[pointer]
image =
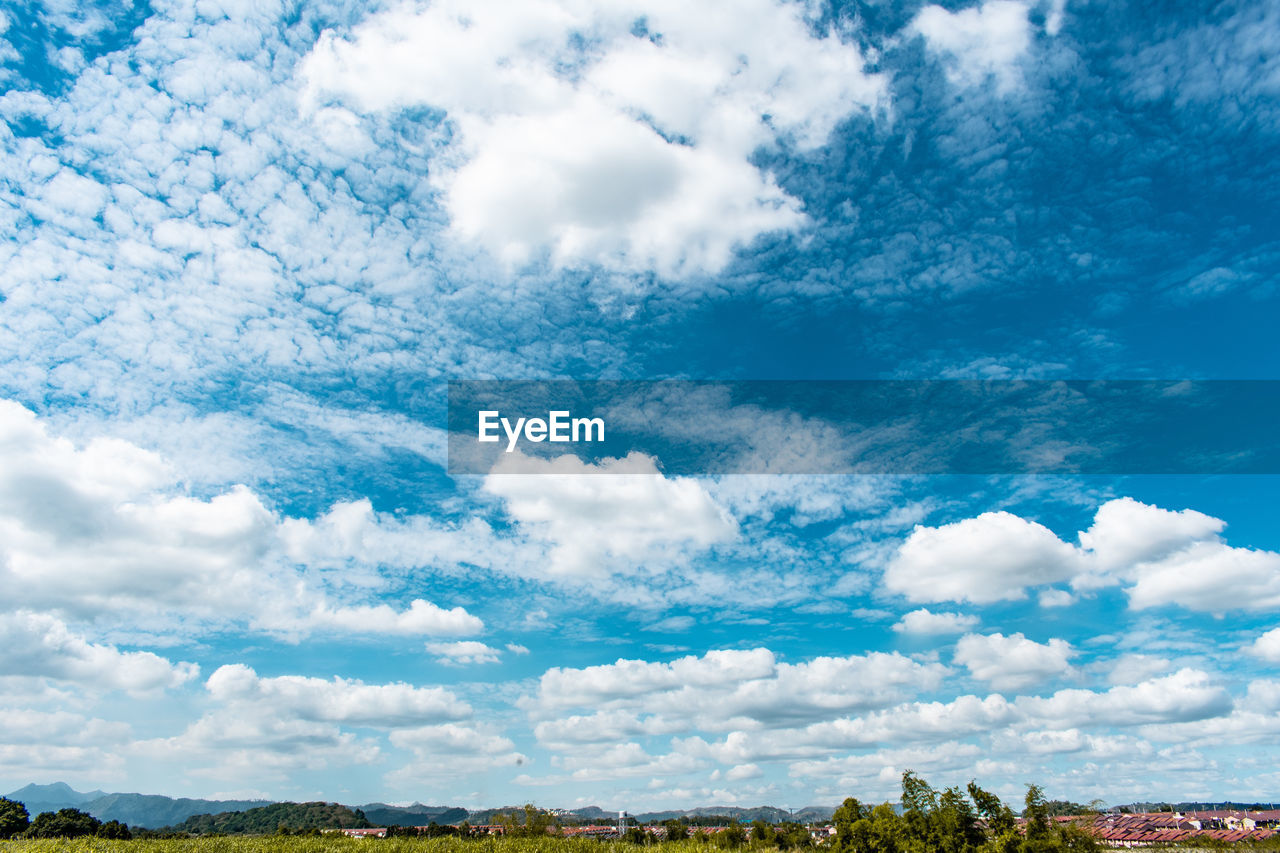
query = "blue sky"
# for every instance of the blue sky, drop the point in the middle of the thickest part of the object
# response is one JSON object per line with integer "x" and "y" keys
{"x": 244, "y": 247}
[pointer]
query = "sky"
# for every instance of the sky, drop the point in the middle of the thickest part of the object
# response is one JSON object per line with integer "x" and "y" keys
{"x": 244, "y": 247}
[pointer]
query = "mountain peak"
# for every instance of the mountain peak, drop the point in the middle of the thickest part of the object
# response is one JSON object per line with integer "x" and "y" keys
{"x": 59, "y": 792}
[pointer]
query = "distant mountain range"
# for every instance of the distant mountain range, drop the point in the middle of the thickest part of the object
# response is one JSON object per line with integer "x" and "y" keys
{"x": 769, "y": 814}
{"x": 381, "y": 814}
{"x": 154, "y": 811}
{"x": 141, "y": 810}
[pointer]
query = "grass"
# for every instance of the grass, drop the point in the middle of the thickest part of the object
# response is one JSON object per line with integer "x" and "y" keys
{"x": 337, "y": 844}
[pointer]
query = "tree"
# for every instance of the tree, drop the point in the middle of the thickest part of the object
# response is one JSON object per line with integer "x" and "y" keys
{"x": 536, "y": 821}
{"x": 65, "y": 823}
{"x": 733, "y": 837}
{"x": 998, "y": 816}
{"x": 120, "y": 831}
{"x": 1075, "y": 839}
{"x": 954, "y": 823}
{"x": 919, "y": 802}
{"x": 884, "y": 830}
{"x": 14, "y": 818}
{"x": 791, "y": 835}
{"x": 761, "y": 833}
{"x": 917, "y": 796}
{"x": 1036, "y": 812}
{"x": 676, "y": 830}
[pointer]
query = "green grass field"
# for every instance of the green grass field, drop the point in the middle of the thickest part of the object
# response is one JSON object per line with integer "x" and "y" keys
{"x": 341, "y": 844}
{"x": 335, "y": 844}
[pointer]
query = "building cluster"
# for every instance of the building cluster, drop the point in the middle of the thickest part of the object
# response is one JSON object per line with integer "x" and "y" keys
{"x": 1112, "y": 830}
{"x": 1145, "y": 830}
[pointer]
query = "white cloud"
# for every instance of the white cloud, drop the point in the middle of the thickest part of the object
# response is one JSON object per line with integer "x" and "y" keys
{"x": 441, "y": 752}
{"x": 105, "y": 531}
{"x": 464, "y": 652}
{"x": 923, "y": 621}
{"x": 1187, "y": 694}
{"x": 39, "y": 729}
{"x": 1126, "y": 531}
{"x": 422, "y": 617}
{"x": 596, "y": 515}
{"x": 1209, "y": 576}
{"x": 262, "y": 730}
{"x": 880, "y": 773}
{"x": 1164, "y": 557}
{"x": 339, "y": 700}
{"x": 585, "y": 136}
{"x": 628, "y": 679}
{"x": 40, "y": 645}
{"x": 351, "y": 532}
{"x": 1159, "y": 557}
{"x": 981, "y": 42}
{"x": 993, "y": 557}
{"x": 1013, "y": 662}
{"x": 1132, "y": 668}
{"x": 1267, "y": 646}
{"x": 909, "y": 723}
{"x": 722, "y": 690}
{"x": 1056, "y": 598}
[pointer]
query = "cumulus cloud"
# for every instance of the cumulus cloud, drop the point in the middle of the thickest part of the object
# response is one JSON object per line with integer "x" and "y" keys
{"x": 464, "y": 652}
{"x": 1132, "y": 668}
{"x": 619, "y": 510}
{"x": 1209, "y": 576}
{"x": 1013, "y": 662}
{"x": 339, "y": 700}
{"x": 1055, "y": 598}
{"x": 351, "y": 533}
{"x": 1159, "y": 557}
{"x": 422, "y": 617}
{"x": 1267, "y": 646}
{"x": 981, "y": 42}
{"x": 442, "y": 751}
{"x": 41, "y": 645}
{"x": 924, "y": 621}
{"x": 724, "y": 689}
{"x": 993, "y": 557}
{"x": 261, "y": 729}
{"x": 882, "y": 770}
{"x": 1126, "y": 531}
{"x": 911, "y": 722}
{"x": 1187, "y": 694}
{"x": 105, "y": 531}
{"x": 617, "y": 135}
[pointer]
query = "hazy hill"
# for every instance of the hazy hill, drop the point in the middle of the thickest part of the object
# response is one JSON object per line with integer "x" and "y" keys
{"x": 381, "y": 814}
{"x": 154, "y": 810}
{"x": 769, "y": 814}
{"x": 138, "y": 810}
{"x": 50, "y": 798}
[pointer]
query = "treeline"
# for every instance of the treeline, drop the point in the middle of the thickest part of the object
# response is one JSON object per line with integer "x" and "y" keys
{"x": 955, "y": 820}
{"x": 16, "y": 822}
{"x": 276, "y": 818}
